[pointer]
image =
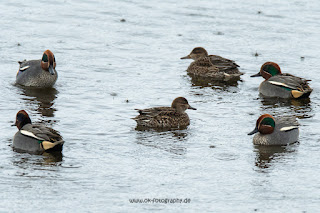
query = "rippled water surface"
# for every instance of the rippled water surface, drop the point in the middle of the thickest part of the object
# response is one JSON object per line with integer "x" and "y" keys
{"x": 108, "y": 67}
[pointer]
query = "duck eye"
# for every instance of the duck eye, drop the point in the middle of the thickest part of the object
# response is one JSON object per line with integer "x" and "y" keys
{"x": 266, "y": 68}
{"x": 45, "y": 58}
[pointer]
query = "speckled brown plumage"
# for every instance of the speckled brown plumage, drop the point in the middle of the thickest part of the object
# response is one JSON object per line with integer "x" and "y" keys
{"x": 212, "y": 66}
{"x": 165, "y": 117}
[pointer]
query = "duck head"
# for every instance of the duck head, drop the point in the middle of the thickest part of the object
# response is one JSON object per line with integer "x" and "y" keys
{"x": 48, "y": 62}
{"x": 181, "y": 104}
{"x": 265, "y": 125}
{"x": 22, "y": 119}
{"x": 196, "y": 53}
{"x": 268, "y": 70}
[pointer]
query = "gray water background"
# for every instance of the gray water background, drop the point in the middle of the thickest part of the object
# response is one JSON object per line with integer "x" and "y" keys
{"x": 107, "y": 68}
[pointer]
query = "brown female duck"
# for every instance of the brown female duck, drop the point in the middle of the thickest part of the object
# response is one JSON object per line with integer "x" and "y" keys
{"x": 212, "y": 66}
{"x": 165, "y": 117}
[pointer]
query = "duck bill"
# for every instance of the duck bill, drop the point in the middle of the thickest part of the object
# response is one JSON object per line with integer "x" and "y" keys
{"x": 186, "y": 57}
{"x": 190, "y": 107}
{"x": 51, "y": 70}
{"x": 17, "y": 124}
{"x": 256, "y": 75}
{"x": 254, "y": 131}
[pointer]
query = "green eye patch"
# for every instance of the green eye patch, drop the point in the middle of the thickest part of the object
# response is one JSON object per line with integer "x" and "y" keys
{"x": 268, "y": 121}
{"x": 45, "y": 58}
{"x": 271, "y": 69}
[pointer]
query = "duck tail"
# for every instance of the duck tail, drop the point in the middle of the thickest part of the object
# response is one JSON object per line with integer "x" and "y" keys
{"x": 301, "y": 94}
{"x": 48, "y": 145}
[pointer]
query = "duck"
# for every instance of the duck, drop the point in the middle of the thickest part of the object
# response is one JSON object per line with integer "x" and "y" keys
{"x": 165, "y": 117}
{"x": 212, "y": 66}
{"x": 35, "y": 138}
{"x": 38, "y": 73}
{"x": 281, "y": 85}
{"x": 275, "y": 131}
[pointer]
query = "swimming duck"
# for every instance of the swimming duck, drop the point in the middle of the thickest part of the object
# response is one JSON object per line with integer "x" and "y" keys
{"x": 282, "y": 85}
{"x": 271, "y": 131}
{"x": 38, "y": 73}
{"x": 165, "y": 117}
{"x": 212, "y": 66}
{"x": 35, "y": 138}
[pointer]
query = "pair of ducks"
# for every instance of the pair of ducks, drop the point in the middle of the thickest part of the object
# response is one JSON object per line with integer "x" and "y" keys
{"x": 276, "y": 84}
{"x": 37, "y": 138}
{"x": 271, "y": 131}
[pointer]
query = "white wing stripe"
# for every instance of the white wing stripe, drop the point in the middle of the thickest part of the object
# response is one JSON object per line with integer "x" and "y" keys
{"x": 30, "y": 134}
{"x": 281, "y": 84}
{"x": 24, "y": 68}
{"x": 288, "y": 128}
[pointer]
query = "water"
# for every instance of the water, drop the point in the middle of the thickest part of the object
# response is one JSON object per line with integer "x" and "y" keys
{"x": 107, "y": 68}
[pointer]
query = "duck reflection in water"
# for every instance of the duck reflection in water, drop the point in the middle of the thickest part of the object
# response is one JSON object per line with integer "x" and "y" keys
{"x": 173, "y": 141}
{"x": 301, "y": 107}
{"x": 43, "y": 97}
{"x": 266, "y": 156}
{"x": 52, "y": 158}
{"x": 46, "y": 159}
{"x": 205, "y": 82}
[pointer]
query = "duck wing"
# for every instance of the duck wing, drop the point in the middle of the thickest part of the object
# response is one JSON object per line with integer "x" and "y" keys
{"x": 224, "y": 65}
{"x": 155, "y": 111}
{"x": 25, "y": 65}
{"x": 290, "y": 82}
{"x": 287, "y": 123}
{"x": 41, "y": 132}
{"x": 156, "y": 114}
